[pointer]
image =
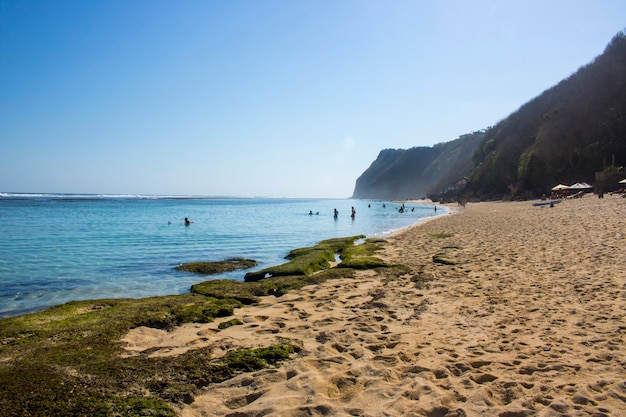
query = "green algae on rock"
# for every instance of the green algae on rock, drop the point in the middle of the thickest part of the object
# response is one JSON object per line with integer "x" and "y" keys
{"x": 68, "y": 361}
{"x": 440, "y": 258}
{"x": 248, "y": 292}
{"x": 306, "y": 261}
{"x": 360, "y": 256}
{"x": 209, "y": 268}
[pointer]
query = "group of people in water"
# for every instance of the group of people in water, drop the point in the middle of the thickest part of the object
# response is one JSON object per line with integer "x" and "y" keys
{"x": 336, "y": 213}
{"x": 402, "y": 209}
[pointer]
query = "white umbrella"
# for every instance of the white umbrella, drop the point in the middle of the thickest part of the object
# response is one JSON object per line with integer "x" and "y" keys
{"x": 580, "y": 186}
{"x": 623, "y": 181}
{"x": 560, "y": 187}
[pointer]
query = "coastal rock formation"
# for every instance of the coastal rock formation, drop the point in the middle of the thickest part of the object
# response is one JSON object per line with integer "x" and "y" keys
{"x": 565, "y": 135}
{"x": 398, "y": 174}
{"x": 209, "y": 268}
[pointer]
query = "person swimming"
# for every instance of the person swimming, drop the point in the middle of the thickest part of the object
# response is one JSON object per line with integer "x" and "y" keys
{"x": 187, "y": 222}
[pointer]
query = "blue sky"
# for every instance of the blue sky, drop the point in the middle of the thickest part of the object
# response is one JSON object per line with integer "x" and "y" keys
{"x": 268, "y": 98}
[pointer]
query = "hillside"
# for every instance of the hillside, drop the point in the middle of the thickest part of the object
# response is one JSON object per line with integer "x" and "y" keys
{"x": 411, "y": 173}
{"x": 565, "y": 135}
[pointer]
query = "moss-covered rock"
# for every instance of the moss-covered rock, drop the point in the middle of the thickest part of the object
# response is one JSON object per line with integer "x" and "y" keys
{"x": 66, "y": 361}
{"x": 360, "y": 256}
{"x": 306, "y": 261}
{"x": 209, "y": 268}
{"x": 363, "y": 262}
{"x": 229, "y": 289}
{"x": 230, "y": 323}
{"x": 442, "y": 259}
{"x": 255, "y": 359}
{"x": 249, "y": 292}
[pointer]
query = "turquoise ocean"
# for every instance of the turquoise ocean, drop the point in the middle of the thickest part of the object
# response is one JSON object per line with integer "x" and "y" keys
{"x": 56, "y": 248}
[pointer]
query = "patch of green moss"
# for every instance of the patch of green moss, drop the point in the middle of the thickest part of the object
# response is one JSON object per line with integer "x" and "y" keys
{"x": 303, "y": 264}
{"x": 248, "y": 292}
{"x": 441, "y": 259}
{"x": 229, "y": 289}
{"x": 255, "y": 359}
{"x": 360, "y": 256}
{"x": 335, "y": 245}
{"x": 66, "y": 360}
{"x": 176, "y": 315}
{"x": 47, "y": 391}
{"x": 363, "y": 262}
{"x": 306, "y": 261}
{"x": 230, "y": 323}
{"x": 208, "y": 268}
{"x": 332, "y": 273}
{"x": 281, "y": 285}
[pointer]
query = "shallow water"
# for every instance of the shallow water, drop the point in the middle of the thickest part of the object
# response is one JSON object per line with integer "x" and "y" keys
{"x": 59, "y": 248}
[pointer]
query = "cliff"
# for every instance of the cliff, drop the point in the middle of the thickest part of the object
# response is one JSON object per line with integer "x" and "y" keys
{"x": 411, "y": 173}
{"x": 565, "y": 135}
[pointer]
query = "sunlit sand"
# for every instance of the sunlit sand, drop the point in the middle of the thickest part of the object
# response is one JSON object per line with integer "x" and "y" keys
{"x": 528, "y": 320}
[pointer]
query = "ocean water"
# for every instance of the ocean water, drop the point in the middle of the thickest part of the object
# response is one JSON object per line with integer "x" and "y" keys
{"x": 57, "y": 248}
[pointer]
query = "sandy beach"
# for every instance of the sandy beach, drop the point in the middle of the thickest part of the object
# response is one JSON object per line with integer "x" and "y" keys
{"x": 528, "y": 320}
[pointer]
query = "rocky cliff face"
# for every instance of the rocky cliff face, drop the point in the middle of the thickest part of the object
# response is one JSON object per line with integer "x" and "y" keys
{"x": 565, "y": 135}
{"x": 413, "y": 173}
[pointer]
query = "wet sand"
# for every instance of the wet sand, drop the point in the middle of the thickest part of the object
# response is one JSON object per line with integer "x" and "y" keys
{"x": 528, "y": 321}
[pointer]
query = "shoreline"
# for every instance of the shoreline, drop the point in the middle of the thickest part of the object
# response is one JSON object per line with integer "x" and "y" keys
{"x": 527, "y": 321}
{"x": 169, "y": 276}
{"x": 501, "y": 309}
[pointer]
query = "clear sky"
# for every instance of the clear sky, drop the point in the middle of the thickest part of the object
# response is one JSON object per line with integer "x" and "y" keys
{"x": 276, "y": 98}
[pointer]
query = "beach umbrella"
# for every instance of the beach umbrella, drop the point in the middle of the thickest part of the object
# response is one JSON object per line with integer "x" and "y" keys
{"x": 560, "y": 187}
{"x": 623, "y": 181}
{"x": 580, "y": 186}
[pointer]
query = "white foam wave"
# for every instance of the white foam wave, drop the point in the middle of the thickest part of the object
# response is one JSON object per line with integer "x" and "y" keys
{"x": 94, "y": 196}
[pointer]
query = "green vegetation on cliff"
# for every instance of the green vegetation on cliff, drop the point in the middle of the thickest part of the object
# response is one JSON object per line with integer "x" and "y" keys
{"x": 565, "y": 135}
